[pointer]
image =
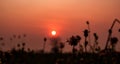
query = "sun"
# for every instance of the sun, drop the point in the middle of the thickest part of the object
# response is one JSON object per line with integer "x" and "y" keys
{"x": 53, "y": 33}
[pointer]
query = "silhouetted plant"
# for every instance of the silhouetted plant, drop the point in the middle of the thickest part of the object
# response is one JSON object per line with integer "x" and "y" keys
{"x": 87, "y": 22}
{"x": 19, "y": 36}
{"x": 14, "y": 36}
{"x": 28, "y": 49}
{"x": 61, "y": 45}
{"x": 1, "y": 42}
{"x": 18, "y": 45}
{"x": 1, "y": 38}
{"x": 81, "y": 48}
{"x": 23, "y": 46}
{"x": 89, "y": 36}
{"x": 85, "y": 44}
{"x": 73, "y": 41}
{"x": 110, "y": 32}
{"x": 11, "y": 39}
{"x": 55, "y": 45}
{"x": 96, "y": 37}
{"x": 86, "y": 32}
{"x": 55, "y": 49}
{"x": 45, "y": 39}
{"x": 96, "y": 47}
{"x": 31, "y": 57}
{"x": 114, "y": 41}
{"x": 24, "y": 35}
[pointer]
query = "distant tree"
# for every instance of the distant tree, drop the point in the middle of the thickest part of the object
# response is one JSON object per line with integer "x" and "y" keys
{"x": 114, "y": 41}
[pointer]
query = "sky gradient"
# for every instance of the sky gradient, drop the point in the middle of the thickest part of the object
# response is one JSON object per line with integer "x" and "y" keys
{"x": 37, "y": 18}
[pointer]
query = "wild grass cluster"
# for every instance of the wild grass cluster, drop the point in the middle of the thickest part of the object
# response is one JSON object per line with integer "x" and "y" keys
{"x": 95, "y": 55}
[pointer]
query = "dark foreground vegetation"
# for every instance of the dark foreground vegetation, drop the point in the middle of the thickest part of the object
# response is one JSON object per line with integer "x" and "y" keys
{"x": 83, "y": 55}
{"x": 22, "y": 57}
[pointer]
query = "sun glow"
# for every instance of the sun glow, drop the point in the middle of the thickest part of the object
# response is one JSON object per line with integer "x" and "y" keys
{"x": 53, "y": 33}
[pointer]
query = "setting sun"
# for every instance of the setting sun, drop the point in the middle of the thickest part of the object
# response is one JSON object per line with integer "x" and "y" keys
{"x": 53, "y": 33}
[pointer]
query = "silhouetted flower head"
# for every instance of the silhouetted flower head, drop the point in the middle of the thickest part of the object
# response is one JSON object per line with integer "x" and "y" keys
{"x": 114, "y": 40}
{"x": 19, "y": 37}
{"x": 14, "y": 36}
{"x": 3, "y": 44}
{"x": 87, "y": 22}
{"x": 110, "y": 31}
{"x": 73, "y": 41}
{"x": 45, "y": 39}
{"x": 24, "y": 35}
{"x": 23, "y": 44}
{"x": 18, "y": 45}
{"x": 95, "y": 35}
{"x": 28, "y": 49}
{"x": 86, "y": 33}
{"x": 11, "y": 39}
{"x": 1, "y": 38}
{"x": 78, "y": 37}
{"x": 62, "y": 45}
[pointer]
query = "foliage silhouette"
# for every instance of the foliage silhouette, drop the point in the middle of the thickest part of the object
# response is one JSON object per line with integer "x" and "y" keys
{"x": 73, "y": 41}
{"x": 110, "y": 32}
{"x": 29, "y": 56}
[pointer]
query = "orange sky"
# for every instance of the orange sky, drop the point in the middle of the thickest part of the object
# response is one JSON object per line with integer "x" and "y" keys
{"x": 38, "y": 17}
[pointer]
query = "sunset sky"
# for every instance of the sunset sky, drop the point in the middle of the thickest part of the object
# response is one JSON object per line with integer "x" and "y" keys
{"x": 37, "y": 18}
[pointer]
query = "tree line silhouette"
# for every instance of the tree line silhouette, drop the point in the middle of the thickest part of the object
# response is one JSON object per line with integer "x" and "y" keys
{"x": 108, "y": 55}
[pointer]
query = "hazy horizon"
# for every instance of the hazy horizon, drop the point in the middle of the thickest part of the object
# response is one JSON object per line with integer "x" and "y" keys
{"x": 37, "y": 18}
